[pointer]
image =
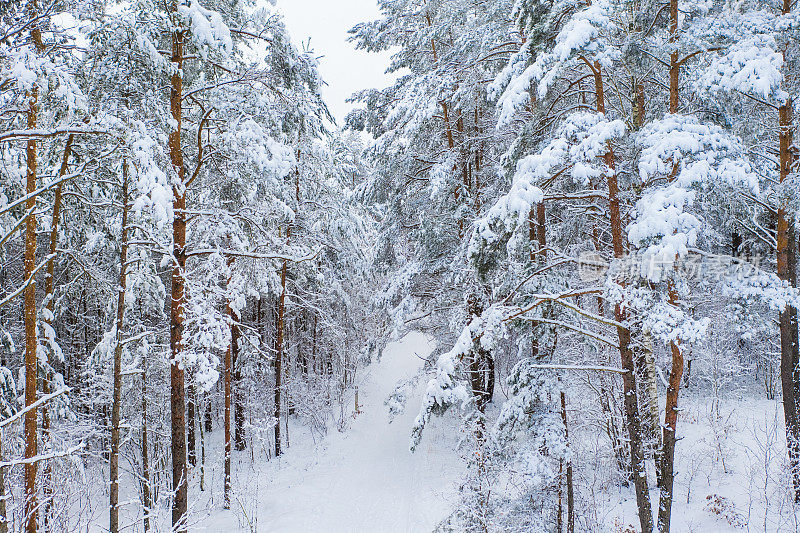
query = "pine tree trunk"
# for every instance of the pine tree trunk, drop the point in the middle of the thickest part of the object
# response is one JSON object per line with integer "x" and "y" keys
{"x": 180, "y": 500}
{"x": 626, "y": 355}
{"x": 669, "y": 438}
{"x": 788, "y": 335}
{"x": 532, "y": 241}
{"x": 560, "y": 508}
{"x": 279, "y": 356}
{"x": 238, "y": 412}
{"x": 287, "y": 400}
{"x": 147, "y": 500}
{"x": 792, "y": 263}
{"x": 229, "y": 355}
{"x": 191, "y": 415}
{"x": 638, "y": 105}
{"x": 314, "y": 343}
{"x": 481, "y": 369}
{"x": 788, "y": 363}
{"x": 208, "y": 419}
{"x": 49, "y": 303}
{"x": 202, "y": 456}
{"x": 570, "y": 487}
{"x": 541, "y": 235}
{"x": 117, "y": 390}
{"x": 649, "y": 387}
{"x": 3, "y": 511}
{"x": 613, "y": 432}
{"x": 202, "y": 450}
{"x": 228, "y": 451}
{"x": 31, "y": 361}
{"x": 671, "y": 410}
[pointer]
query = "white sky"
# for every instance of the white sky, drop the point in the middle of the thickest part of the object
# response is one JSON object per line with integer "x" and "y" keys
{"x": 345, "y": 69}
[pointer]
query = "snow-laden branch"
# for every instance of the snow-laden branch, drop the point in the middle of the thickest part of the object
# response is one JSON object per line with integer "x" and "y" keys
{"x": 44, "y": 457}
{"x": 27, "y": 282}
{"x": 583, "y": 331}
{"x": 589, "y": 368}
{"x": 17, "y": 225}
{"x": 28, "y": 134}
{"x": 255, "y": 255}
{"x": 58, "y": 181}
{"x": 34, "y": 405}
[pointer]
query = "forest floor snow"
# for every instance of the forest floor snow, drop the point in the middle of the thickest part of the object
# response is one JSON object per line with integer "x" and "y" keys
{"x": 731, "y": 473}
{"x": 730, "y": 464}
{"x": 364, "y": 479}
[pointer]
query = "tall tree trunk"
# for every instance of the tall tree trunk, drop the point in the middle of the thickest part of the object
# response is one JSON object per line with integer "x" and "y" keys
{"x": 279, "y": 354}
{"x": 649, "y": 387}
{"x": 288, "y": 409}
{"x": 608, "y": 407}
{"x": 314, "y": 343}
{"x": 669, "y": 439}
{"x": 238, "y": 411}
{"x": 297, "y": 178}
{"x": 3, "y": 511}
{"x": 180, "y": 500}
{"x": 228, "y": 365}
{"x": 49, "y": 303}
{"x": 31, "y": 361}
{"x": 570, "y": 488}
{"x": 626, "y": 354}
{"x": 792, "y": 262}
{"x": 147, "y": 500}
{"x": 209, "y": 426}
{"x": 279, "y": 360}
{"x": 117, "y": 394}
{"x": 533, "y": 240}
{"x": 191, "y": 415}
{"x": 789, "y": 363}
{"x": 202, "y": 455}
{"x": 481, "y": 369}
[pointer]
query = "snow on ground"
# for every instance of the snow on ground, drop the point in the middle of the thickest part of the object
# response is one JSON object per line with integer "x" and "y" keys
{"x": 731, "y": 472}
{"x": 362, "y": 480}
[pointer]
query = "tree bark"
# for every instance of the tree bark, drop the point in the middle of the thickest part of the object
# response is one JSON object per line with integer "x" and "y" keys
{"x": 481, "y": 368}
{"x": 117, "y": 391}
{"x": 191, "y": 415}
{"x": 209, "y": 427}
{"x": 178, "y": 394}
{"x": 238, "y": 411}
{"x": 788, "y": 362}
{"x": 314, "y": 344}
{"x": 626, "y": 354}
{"x": 279, "y": 355}
{"x": 147, "y": 500}
{"x": 202, "y": 455}
{"x": 228, "y": 365}
{"x": 667, "y": 469}
{"x": 31, "y": 361}
{"x": 3, "y": 512}
{"x": 669, "y": 437}
{"x": 570, "y": 487}
{"x": 647, "y": 372}
{"x": 536, "y": 234}
{"x": 49, "y": 303}
{"x": 532, "y": 241}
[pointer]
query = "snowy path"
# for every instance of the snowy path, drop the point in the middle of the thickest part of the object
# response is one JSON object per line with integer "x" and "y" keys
{"x": 365, "y": 479}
